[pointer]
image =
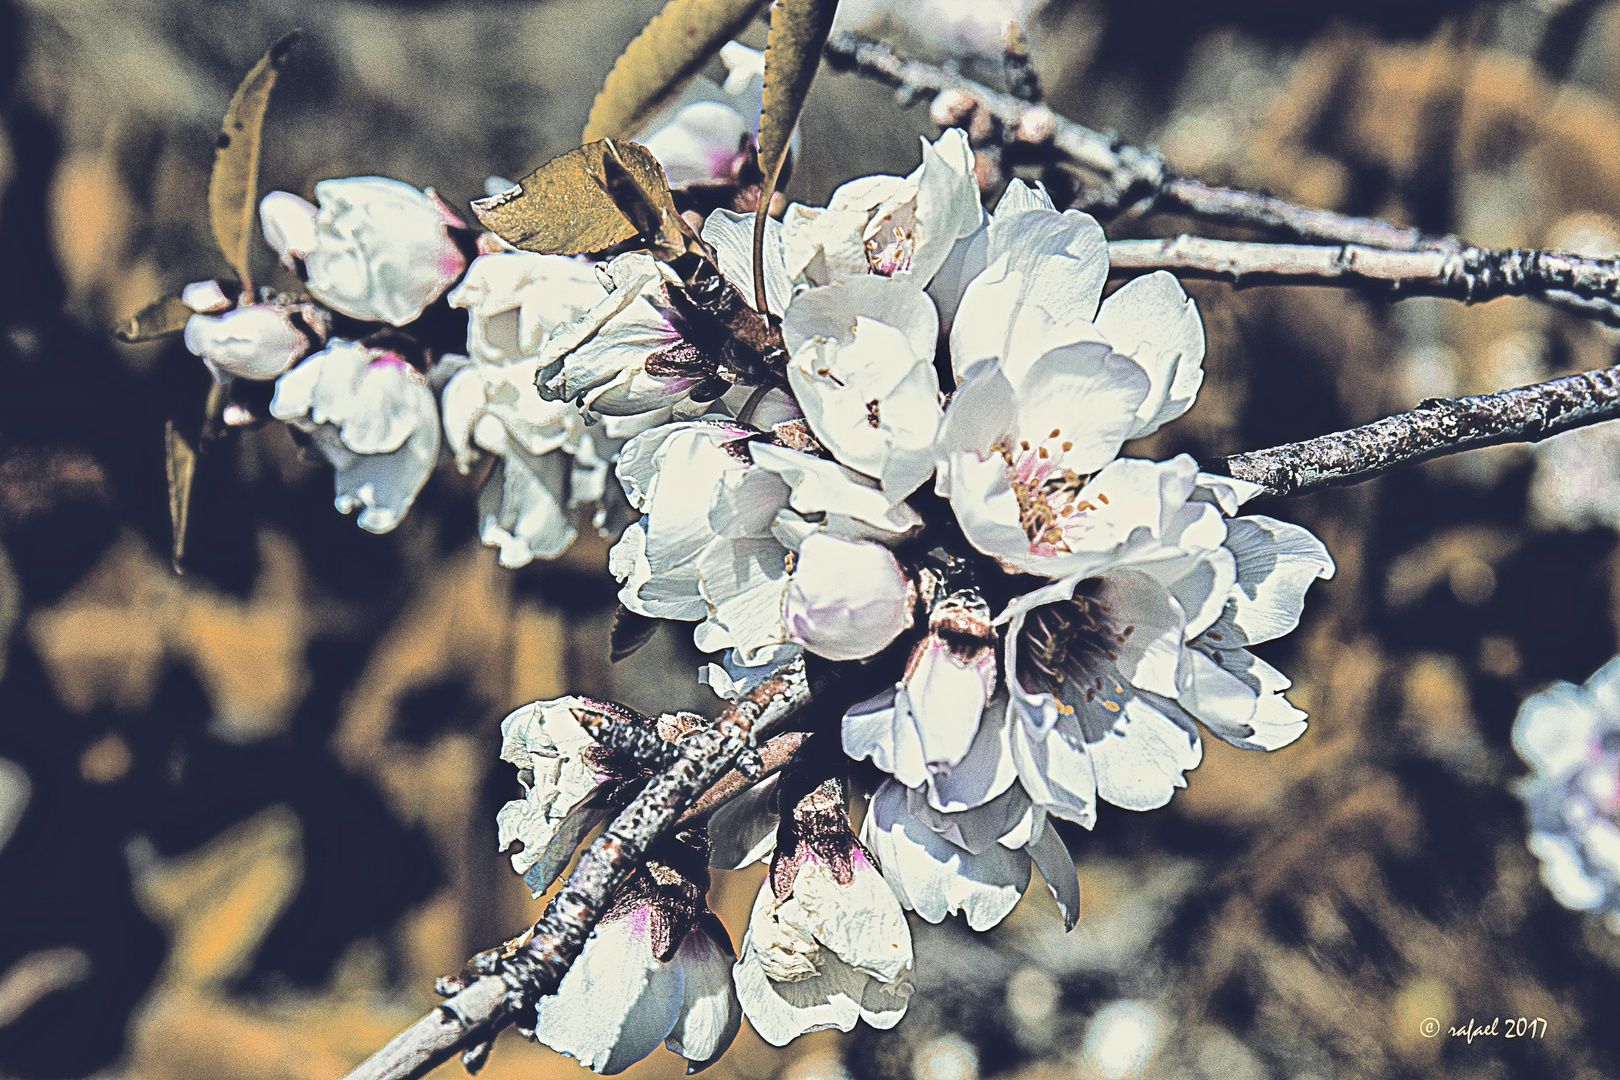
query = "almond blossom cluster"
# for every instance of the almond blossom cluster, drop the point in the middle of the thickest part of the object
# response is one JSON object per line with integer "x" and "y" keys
{"x": 934, "y": 492}
{"x": 1570, "y": 737}
{"x": 418, "y": 338}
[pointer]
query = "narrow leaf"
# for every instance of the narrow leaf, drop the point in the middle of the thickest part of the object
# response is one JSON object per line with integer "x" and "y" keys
{"x": 671, "y": 49}
{"x": 799, "y": 30}
{"x": 180, "y": 462}
{"x": 233, "y": 189}
{"x": 158, "y": 319}
{"x": 630, "y": 632}
{"x": 588, "y": 200}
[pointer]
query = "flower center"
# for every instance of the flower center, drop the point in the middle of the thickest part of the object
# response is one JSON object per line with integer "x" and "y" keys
{"x": 1068, "y": 649}
{"x": 1049, "y": 503}
{"x": 889, "y": 250}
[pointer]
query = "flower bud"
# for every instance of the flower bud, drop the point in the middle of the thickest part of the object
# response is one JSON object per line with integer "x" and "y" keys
{"x": 847, "y": 599}
{"x": 381, "y": 250}
{"x": 257, "y": 341}
{"x": 205, "y": 296}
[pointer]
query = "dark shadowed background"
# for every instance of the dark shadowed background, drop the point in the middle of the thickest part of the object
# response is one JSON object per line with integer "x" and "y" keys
{"x": 247, "y": 815}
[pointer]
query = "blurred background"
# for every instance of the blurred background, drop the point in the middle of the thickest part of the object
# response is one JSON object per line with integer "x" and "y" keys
{"x": 247, "y": 814}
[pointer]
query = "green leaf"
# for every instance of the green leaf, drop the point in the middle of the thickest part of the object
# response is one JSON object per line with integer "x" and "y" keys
{"x": 180, "y": 462}
{"x": 588, "y": 200}
{"x": 671, "y": 49}
{"x": 799, "y": 30}
{"x": 158, "y": 319}
{"x": 233, "y": 189}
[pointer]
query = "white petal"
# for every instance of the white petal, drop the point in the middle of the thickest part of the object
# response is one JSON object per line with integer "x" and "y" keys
{"x": 1056, "y": 865}
{"x": 289, "y": 225}
{"x": 520, "y": 512}
{"x": 947, "y": 694}
{"x": 862, "y": 369}
{"x": 732, "y": 236}
{"x": 381, "y": 250}
{"x": 743, "y": 582}
{"x": 883, "y": 729}
{"x": 545, "y": 741}
{"x": 1056, "y": 771}
{"x": 1562, "y": 870}
{"x": 1086, "y": 392}
{"x": 821, "y": 245}
{"x": 700, "y": 144}
{"x": 1151, "y": 320}
{"x": 947, "y": 203}
{"x": 1140, "y": 763}
{"x": 985, "y": 773}
{"x": 854, "y": 508}
{"x": 861, "y": 922}
{"x": 1039, "y": 290}
{"x": 1020, "y": 197}
{"x": 710, "y": 1012}
{"x": 1276, "y": 563}
{"x": 514, "y": 298}
{"x": 1151, "y": 654}
{"x": 934, "y": 877}
{"x": 617, "y": 1002}
{"x": 255, "y": 341}
{"x": 846, "y": 600}
{"x": 205, "y": 297}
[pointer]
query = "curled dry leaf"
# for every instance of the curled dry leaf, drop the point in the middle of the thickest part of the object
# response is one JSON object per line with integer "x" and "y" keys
{"x": 799, "y": 30}
{"x": 233, "y": 188}
{"x": 588, "y": 200}
{"x": 671, "y": 49}
{"x": 180, "y": 462}
{"x": 157, "y": 319}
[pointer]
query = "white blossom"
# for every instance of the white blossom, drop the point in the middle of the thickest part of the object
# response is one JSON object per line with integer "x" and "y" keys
{"x": 892, "y": 225}
{"x": 547, "y": 744}
{"x": 619, "y": 1000}
{"x": 703, "y": 551}
{"x": 826, "y": 954}
{"x": 374, "y": 417}
{"x": 1570, "y": 737}
{"x": 627, "y": 354}
{"x": 254, "y": 341}
{"x": 550, "y": 462}
{"x": 862, "y": 368}
{"x": 513, "y": 299}
{"x": 846, "y": 599}
{"x": 382, "y": 249}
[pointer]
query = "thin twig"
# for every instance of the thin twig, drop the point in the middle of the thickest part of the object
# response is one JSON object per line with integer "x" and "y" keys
{"x": 1435, "y": 428}
{"x": 1471, "y": 275}
{"x": 471, "y": 1018}
{"x": 1137, "y": 179}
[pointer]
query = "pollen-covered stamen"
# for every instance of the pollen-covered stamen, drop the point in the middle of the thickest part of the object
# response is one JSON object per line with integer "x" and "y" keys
{"x": 1068, "y": 649}
{"x": 889, "y": 250}
{"x": 1048, "y": 493}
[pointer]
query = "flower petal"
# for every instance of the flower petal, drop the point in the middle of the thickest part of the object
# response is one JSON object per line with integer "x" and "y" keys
{"x": 732, "y": 236}
{"x": 1151, "y": 320}
{"x": 1140, "y": 763}
{"x": 710, "y": 1015}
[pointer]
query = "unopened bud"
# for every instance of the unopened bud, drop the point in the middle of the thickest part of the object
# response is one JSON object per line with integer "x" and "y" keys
{"x": 953, "y": 108}
{"x": 847, "y": 599}
{"x": 289, "y": 225}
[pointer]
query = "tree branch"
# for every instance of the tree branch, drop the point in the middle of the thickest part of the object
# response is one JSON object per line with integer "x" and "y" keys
{"x": 470, "y": 1019}
{"x": 1137, "y": 179}
{"x": 1435, "y": 428}
{"x": 1590, "y": 286}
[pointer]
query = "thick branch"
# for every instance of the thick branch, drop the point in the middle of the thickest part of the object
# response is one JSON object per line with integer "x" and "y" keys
{"x": 1470, "y": 275}
{"x": 472, "y": 1017}
{"x": 1435, "y": 428}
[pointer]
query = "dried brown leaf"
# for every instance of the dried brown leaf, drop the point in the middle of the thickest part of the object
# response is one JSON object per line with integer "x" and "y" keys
{"x": 799, "y": 30}
{"x": 157, "y": 319}
{"x": 180, "y": 463}
{"x": 671, "y": 49}
{"x": 587, "y": 200}
{"x": 233, "y": 188}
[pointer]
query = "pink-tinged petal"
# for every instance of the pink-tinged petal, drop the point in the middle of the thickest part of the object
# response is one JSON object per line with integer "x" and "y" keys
{"x": 710, "y": 1015}
{"x": 846, "y": 600}
{"x": 617, "y": 1002}
{"x": 256, "y": 341}
{"x": 381, "y": 250}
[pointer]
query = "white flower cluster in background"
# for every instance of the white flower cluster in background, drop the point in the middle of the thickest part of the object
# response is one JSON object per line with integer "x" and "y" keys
{"x": 1570, "y": 737}
{"x": 940, "y": 490}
